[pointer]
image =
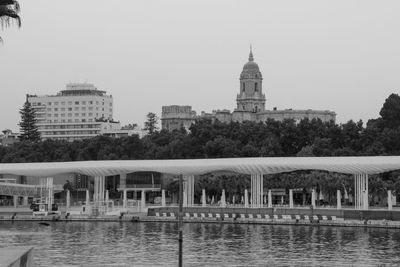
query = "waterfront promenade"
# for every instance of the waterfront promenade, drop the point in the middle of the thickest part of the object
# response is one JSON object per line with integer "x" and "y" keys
{"x": 236, "y": 214}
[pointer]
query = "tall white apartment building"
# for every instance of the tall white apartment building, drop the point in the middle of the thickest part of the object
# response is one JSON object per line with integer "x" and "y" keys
{"x": 78, "y": 112}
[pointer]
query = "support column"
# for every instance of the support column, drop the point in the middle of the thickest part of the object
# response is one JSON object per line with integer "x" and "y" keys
{"x": 223, "y": 200}
{"x": 87, "y": 197}
{"x": 49, "y": 196}
{"x": 365, "y": 190}
{"x": 313, "y": 198}
{"x": 203, "y": 198}
{"x": 189, "y": 189}
{"x": 389, "y": 201}
{"x": 361, "y": 191}
{"x": 25, "y": 200}
{"x": 107, "y": 197}
{"x": 269, "y": 199}
{"x": 122, "y": 180}
{"x": 68, "y": 200}
{"x": 338, "y": 199}
{"x": 15, "y": 200}
{"x": 163, "y": 202}
{"x": 125, "y": 200}
{"x": 99, "y": 188}
{"x": 256, "y": 190}
{"x": 246, "y": 199}
{"x": 291, "y": 198}
{"x": 185, "y": 202}
{"x": 143, "y": 202}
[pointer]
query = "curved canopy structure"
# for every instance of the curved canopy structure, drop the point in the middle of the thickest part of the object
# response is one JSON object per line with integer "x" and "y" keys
{"x": 349, "y": 165}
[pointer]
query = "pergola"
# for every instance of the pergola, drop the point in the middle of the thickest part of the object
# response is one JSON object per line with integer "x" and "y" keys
{"x": 360, "y": 167}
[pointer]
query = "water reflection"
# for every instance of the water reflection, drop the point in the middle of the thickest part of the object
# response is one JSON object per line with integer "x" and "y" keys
{"x": 119, "y": 244}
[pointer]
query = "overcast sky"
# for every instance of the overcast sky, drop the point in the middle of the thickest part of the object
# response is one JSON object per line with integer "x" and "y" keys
{"x": 327, "y": 55}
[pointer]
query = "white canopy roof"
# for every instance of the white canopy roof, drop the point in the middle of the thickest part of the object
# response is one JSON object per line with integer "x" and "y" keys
{"x": 349, "y": 165}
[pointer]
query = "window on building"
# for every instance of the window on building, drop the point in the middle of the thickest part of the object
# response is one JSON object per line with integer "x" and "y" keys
{"x": 76, "y": 108}
{"x": 91, "y": 102}
{"x": 62, "y": 109}
{"x": 49, "y": 121}
{"x": 63, "y": 103}
{"x": 83, "y": 120}
{"x": 83, "y": 102}
{"x": 90, "y": 120}
{"x": 55, "y": 121}
{"x": 62, "y": 114}
{"x": 243, "y": 87}
{"x": 56, "y": 115}
{"x": 63, "y": 121}
{"x": 83, "y": 114}
{"x": 76, "y": 114}
{"x": 69, "y": 120}
{"x": 256, "y": 87}
{"x": 83, "y": 108}
{"x": 69, "y": 102}
{"x": 49, "y": 109}
{"x": 69, "y": 109}
{"x": 90, "y": 114}
{"x": 76, "y": 120}
{"x": 90, "y": 108}
{"x": 76, "y": 102}
{"x": 55, "y": 109}
{"x": 69, "y": 114}
{"x": 56, "y": 103}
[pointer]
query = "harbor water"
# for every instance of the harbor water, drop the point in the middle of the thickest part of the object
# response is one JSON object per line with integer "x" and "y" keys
{"x": 205, "y": 244}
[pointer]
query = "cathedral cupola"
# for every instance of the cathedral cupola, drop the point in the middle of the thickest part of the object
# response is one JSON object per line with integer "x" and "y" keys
{"x": 250, "y": 97}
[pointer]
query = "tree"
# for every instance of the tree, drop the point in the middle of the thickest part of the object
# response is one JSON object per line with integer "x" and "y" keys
{"x": 28, "y": 127}
{"x": 390, "y": 111}
{"x": 9, "y": 10}
{"x": 151, "y": 124}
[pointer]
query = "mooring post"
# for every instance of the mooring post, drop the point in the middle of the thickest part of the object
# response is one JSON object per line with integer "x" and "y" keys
{"x": 180, "y": 215}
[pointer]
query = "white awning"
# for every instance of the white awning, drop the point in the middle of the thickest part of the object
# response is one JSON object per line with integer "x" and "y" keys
{"x": 349, "y": 165}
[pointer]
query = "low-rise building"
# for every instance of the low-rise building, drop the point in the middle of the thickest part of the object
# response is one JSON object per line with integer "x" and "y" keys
{"x": 8, "y": 138}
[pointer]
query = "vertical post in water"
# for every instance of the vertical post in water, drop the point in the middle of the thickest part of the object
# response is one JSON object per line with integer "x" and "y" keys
{"x": 180, "y": 213}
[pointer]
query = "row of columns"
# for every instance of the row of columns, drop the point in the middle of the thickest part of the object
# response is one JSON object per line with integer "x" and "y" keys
{"x": 360, "y": 199}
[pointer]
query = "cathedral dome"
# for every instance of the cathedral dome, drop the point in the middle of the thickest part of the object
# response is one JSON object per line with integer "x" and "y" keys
{"x": 251, "y": 67}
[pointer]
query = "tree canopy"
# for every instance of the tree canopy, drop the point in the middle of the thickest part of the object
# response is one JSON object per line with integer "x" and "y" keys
{"x": 9, "y": 10}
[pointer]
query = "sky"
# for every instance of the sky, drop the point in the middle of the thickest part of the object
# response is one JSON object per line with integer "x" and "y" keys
{"x": 338, "y": 55}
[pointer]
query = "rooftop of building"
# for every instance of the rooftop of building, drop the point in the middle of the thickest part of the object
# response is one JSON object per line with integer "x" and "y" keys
{"x": 77, "y": 89}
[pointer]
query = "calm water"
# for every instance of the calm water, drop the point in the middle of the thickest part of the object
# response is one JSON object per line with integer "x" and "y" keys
{"x": 155, "y": 244}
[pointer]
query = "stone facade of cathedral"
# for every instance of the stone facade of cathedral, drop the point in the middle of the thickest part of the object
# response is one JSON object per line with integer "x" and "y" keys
{"x": 250, "y": 105}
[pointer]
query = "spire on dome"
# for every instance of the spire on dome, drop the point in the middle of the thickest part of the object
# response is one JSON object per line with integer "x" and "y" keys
{"x": 251, "y": 58}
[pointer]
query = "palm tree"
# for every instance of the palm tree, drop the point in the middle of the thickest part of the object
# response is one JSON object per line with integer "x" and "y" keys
{"x": 9, "y": 10}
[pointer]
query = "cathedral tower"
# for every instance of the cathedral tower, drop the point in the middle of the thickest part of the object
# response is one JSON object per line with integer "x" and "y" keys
{"x": 251, "y": 97}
